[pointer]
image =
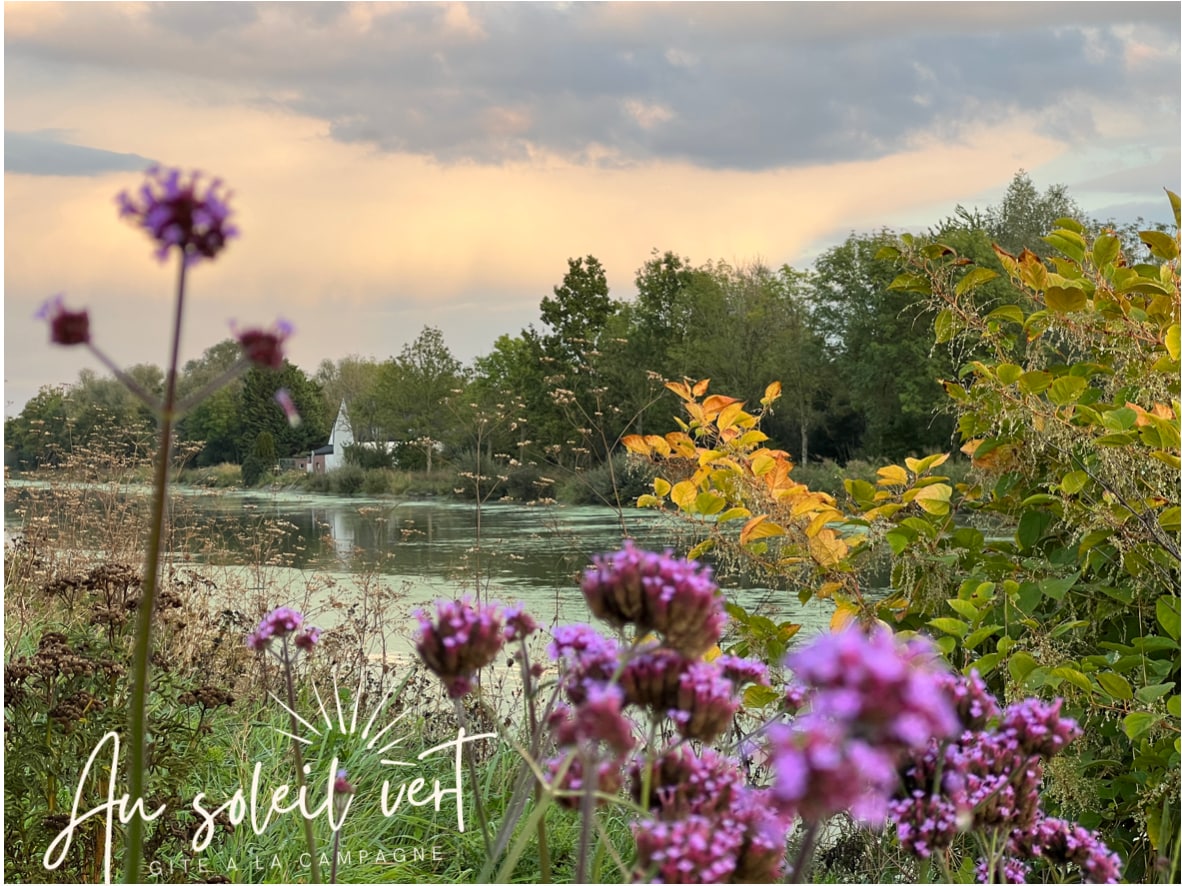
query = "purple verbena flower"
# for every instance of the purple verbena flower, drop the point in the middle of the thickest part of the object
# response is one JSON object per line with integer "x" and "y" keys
{"x": 741, "y": 671}
{"x": 683, "y": 782}
{"x": 657, "y": 592}
{"x": 519, "y": 624}
{"x": 974, "y": 704}
{"x": 607, "y": 778}
{"x": 760, "y": 856}
{"x": 1038, "y": 728}
{"x": 1012, "y": 871}
{"x": 462, "y": 639}
{"x": 652, "y": 678}
{"x": 65, "y": 327}
{"x": 307, "y": 639}
{"x": 174, "y": 213}
{"x": 598, "y": 718}
{"x": 887, "y": 692}
{"x": 587, "y": 657}
{"x": 1060, "y": 842}
{"x": 287, "y": 404}
{"x": 341, "y": 784}
{"x": 821, "y": 770}
{"x": 689, "y": 850}
{"x": 276, "y": 623}
{"x": 706, "y": 702}
{"x": 264, "y": 347}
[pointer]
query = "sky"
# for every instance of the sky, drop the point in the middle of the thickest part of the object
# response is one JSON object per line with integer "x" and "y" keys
{"x": 398, "y": 165}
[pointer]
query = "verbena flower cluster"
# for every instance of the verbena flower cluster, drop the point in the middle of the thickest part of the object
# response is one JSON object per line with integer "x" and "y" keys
{"x": 878, "y": 726}
{"x": 871, "y": 700}
{"x": 175, "y": 213}
{"x": 987, "y": 780}
{"x": 280, "y": 623}
{"x": 463, "y": 638}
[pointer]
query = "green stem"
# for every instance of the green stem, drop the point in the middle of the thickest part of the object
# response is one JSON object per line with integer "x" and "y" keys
{"x": 462, "y": 718}
{"x": 309, "y": 836}
{"x": 807, "y": 845}
{"x": 531, "y": 706}
{"x": 137, "y": 745}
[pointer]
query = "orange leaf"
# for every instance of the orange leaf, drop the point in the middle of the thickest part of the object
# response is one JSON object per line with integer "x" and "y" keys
{"x": 636, "y": 443}
{"x": 700, "y": 387}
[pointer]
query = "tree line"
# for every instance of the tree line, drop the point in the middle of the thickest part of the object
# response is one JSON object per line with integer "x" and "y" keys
{"x": 861, "y": 368}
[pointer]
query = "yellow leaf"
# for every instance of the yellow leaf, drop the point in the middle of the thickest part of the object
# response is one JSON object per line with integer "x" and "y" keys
{"x": 647, "y": 501}
{"x": 636, "y": 443}
{"x": 681, "y": 390}
{"x": 892, "y": 475}
{"x": 712, "y": 653}
{"x": 844, "y": 616}
{"x": 730, "y": 416}
{"x": 827, "y": 549}
{"x": 771, "y": 394}
{"x": 661, "y": 486}
{"x": 762, "y": 463}
{"x": 759, "y": 527}
{"x": 828, "y": 589}
{"x": 715, "y": 403}
{"x": 819, "y": 522}
{"x": 659, "y": 444}
{"x": 935, "y": 498}
{"x": 1173, "y": 345}
{"x": 919, "y": 466}
{"x": 684, "y": 494}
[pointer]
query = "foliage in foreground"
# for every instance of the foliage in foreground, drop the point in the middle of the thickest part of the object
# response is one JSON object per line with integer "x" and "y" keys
{"x": 1055, "y": 568}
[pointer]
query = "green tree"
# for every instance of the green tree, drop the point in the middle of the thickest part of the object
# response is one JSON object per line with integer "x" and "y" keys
{"x": 259, "y": 412}
{"x": 413, "y": 390}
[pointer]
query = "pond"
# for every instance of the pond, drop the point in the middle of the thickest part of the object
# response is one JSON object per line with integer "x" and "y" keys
{"x": 424, "y": 548}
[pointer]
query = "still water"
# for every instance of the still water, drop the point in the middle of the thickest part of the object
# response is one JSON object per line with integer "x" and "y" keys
{"x": 424, "y": 548}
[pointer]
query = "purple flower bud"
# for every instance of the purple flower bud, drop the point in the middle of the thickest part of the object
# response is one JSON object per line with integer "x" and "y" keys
{"x": 264, "y": 347}
{"x": 308, "y": 639}
{"x": 519, "y": 624}
{"x": 276, "y": 623}
{"x": 65, "y": 327}
{"x": 1038, "y": 728}
{"x": 341, "y": 784}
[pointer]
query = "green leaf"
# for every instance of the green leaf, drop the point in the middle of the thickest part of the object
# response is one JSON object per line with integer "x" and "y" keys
{"x": 699, "y": 549}
{"x": 1020, "y": 665}
{"x": 1119, "y": 419}
{"x": 899, "y": 540}
{"x": 1012, "y": 313}
{"x": 1029, "y": 596}
{"x": 709, "y": 503}
{"x": 1170, "y": 519}
{"x": 953, "y": 626}
{"x": 1056, "y": 588}
{"x": 973, "y": 279}
{"x": 1073, "y": 482}
{"x": 911, "y": 283}
{"x": 1034, "y": 382}
{"x": 1115, "y": 685}
{"x": 945, "y": 326}
{"x": 1105, "y": 249}
{"x": 1168, "y": 616}
{"x": 1031, "y": 527}
{"x": 1176, "y": 205}
{"x": 733, "y": 514}
{"x": 1174, "y": 706}
{"x": 1136, "y": 723}
{"x": 1160, "y": 244}
{"x": 1066, "y": 389}
{"x": 1009, "y": 373}
{"x": 1067, "y": 242}
{"x": 1150, "y": 694}
{"x": 1173, "y": 347}
{"x": 985, "y": 664}
{"x": 1074, "y": 677}
{"x": 973, "y": 640}
{"x": 1066, "y": 300}
{"x": 965, "y": 609}
{"x": 759, "y": 696}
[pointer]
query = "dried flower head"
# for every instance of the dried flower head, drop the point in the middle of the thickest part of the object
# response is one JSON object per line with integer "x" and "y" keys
{"x": 462, "y": 639}
{"x": 65, "y": 327}
{"x": 174, "y": 213}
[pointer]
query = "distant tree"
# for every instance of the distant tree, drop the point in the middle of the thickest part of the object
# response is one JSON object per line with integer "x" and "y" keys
{"x": 413, "y": 388}
{"x": 1025, "y": 216}
{"x": 42, "y": 434}
{"x": 259, "y": 412}
{"x": 354, "y": 380}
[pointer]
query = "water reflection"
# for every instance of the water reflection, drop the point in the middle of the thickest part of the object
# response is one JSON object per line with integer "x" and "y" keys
{"x": 430, "y": 548}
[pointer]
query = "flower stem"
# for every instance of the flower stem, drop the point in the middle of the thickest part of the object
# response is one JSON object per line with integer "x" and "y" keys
{"x": 137, "y": 745}
{"x": 462, "y": 719}
{"x": 807, "y": 844}
{"x": 309, "y": 837}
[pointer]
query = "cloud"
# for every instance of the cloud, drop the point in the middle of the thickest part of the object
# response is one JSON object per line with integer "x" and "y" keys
{"x": 740, "y": 86}
{"x": 47, "y": 153}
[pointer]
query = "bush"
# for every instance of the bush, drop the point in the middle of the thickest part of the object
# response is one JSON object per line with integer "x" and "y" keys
{"x": 597, "y": 486}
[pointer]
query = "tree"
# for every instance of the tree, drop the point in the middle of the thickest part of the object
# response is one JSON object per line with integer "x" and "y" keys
{"x": 578, "y": 310}
{"x": 412, "y": 390}
{"x": 882, "y": 349}
{"x": 353, "y": 380}
{"x": 259, "y": 411}
{"x": 1025, "y": 216}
